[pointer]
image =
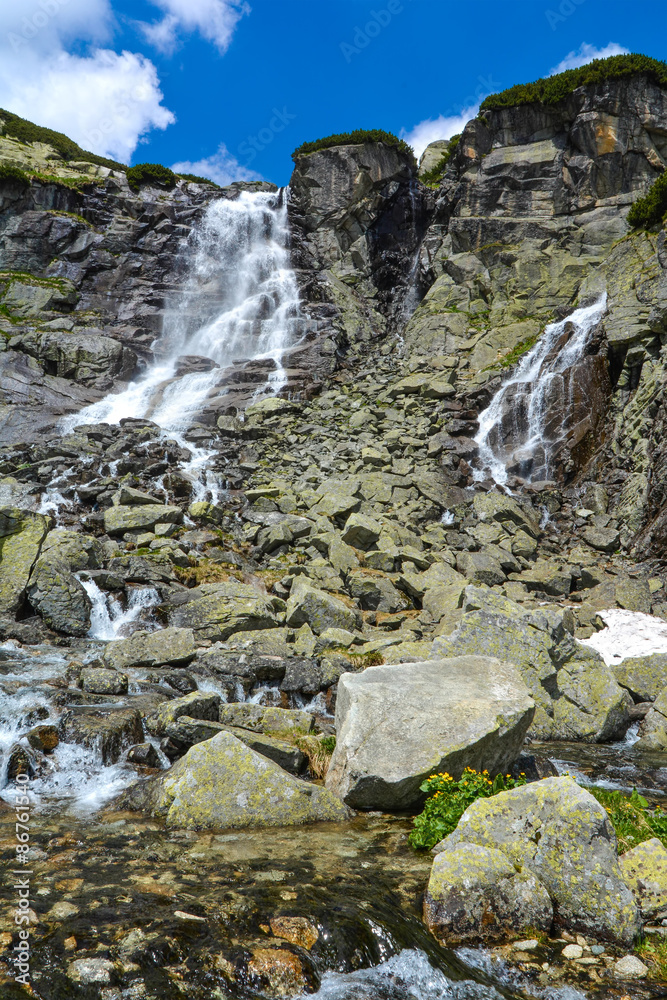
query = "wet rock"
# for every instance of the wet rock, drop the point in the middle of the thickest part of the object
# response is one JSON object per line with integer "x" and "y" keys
{"x": 396, "y": 724}
{"x": 222, "y": 783}
{"x": 108, "y": 733}
{"x": 319, "y": 610}
{"x": 44, "y": 738}
{"x": 269, "y": 720}
{"x": 296, "y": 930}
{"x": 644, "y": 870}
{"x": 144, "y": 754}
{"x": 218, "y": 610}
{"x": 146, "y": 649}
{"x": 643, "y": 676}
{"x": 475, "y": 894}
{"x": 57, "y": 595}
{"x": 198, "y": 705}
{"x": 97, "y": 680}
{"x": 139, "y": 517}
{"x": 87, "y": 971}
{"x": 560, "y": 833}
{"x": 19, "y": 762}
{"x": 21, "y": 537}
{"x": 279, "y": 972}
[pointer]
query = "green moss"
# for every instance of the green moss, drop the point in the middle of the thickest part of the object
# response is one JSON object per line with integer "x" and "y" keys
{"x": 25, "y": 131}
{"x": 654, "y": 953}
{"x": 14, "y": 175}
{"x": 650, "y": 210}
{"x": 147, "y": 173}
{"x": 550, "y": 90}
{"x": 73, "y": 183}
{"x": 354, "y": 138}
{"x": 433, "y": 176}
{"x": 633, "y": 819}
{"x": 198, "y": 180}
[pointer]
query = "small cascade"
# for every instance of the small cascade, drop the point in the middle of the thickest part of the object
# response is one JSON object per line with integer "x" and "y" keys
{"x": 108, "y": 618}
{"x": 550, "y": 403}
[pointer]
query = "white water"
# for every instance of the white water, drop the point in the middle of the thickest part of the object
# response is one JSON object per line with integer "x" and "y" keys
{"x": 508, "y": 430}
{"x": 628, "y": 634}
{"x": 107, "y": 615}
{"x": 241, "y": 269}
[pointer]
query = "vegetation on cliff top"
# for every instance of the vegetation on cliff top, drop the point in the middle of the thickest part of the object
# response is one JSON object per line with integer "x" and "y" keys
{"x": 145, "y": 173}
{"x": 14, "y": 174}
{"x": 551, "y": 89}
{"x": 25, "y": 131}
{"x": 433, "y": 176}
{"x": 651, "y": 209}
{"x": 353, "y": 138}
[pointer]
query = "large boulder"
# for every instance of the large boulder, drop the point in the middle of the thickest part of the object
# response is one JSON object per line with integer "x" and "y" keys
{"x": 57, "y": 595}
{"x": 139, "y": 517}
{"x": 218, "y": 610}
{"x": 223, "y": 783}
{"x": 196, "y": 705}
{"x": 74, "y": 548}
{"x": 644, "y": 870}
{"x": 643, "y": 676}
{"x": 21, "y": 535}
{"x": 397, "y": 724}
{"x": 87, "y": 358}
{"x": 107, "y": 733}
{"x": 307, "y": 605}
{"x": 561, "y": 834}
{"x": 147, "y": 649}
{"x": 653, "y": 730}
{"x": 475, "y": 894}
{"x": 266, "y": 718}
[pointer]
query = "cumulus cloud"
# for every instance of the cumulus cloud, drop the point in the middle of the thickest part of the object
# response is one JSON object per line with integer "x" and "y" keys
{"x": 222, "y": 167}
{"x": 215, "y": 20}
{"x": 105, "y": 100}
{"x": 587, "y": 53}
{"x": 442, "y": 127}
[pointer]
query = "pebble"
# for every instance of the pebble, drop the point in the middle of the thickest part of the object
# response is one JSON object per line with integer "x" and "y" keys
{"x": 182, "y": 915}
{"x": 597, "y": 949}
{"x": 530, "y": 945}
{"x": 572, "y": 951}
{"x": 630, "y": 967}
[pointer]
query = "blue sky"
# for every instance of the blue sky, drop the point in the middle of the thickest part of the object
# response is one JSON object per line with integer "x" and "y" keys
{"x": 228, "y": 88}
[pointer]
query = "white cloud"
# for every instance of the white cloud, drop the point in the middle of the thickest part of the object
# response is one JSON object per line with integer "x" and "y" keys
{"x": 587, "y": 53}
{"x": 215, "y": 20}
{"x": 443, "y": 127}
{"x": 104, "y": 100}
{"x": 221, "y": 167}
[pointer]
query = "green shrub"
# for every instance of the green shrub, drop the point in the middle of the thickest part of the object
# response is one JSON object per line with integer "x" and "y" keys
{"x": 433, "y": 176}
{"x": 15, "y": 175}
{"x": 650, "y": 210}
{"x": 449, "y": 799}
{"x": 352, "y": 138}
{"x": 73, "y": 183}
{"x": 146, "y": 173}
{"x": 25, "y": 131}
{"x": 197, "y": 180}
{"x": 550, "y": 90}
{"x": 632, "y": 818}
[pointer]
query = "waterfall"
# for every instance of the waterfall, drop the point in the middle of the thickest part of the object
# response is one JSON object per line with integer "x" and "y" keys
{"x": 526, "y": 422}
{"x": 240, "y": 302}
{"x": 107, "y": 616}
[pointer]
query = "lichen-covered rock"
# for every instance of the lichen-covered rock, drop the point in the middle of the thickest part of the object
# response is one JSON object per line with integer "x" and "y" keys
{"x": 139, "y": 517}
{"x": 307, "y": 605}
{"x": 97, "y": 680}
{"x": 223, "y": 783}
{"x": 560, "y": 833}
{"x": 146, "y": 649}
{"x": 361, "y": 532}
{"x": 475, "y": 894}
{"x": 59, "y": 597}
{"x": 396, "y": 724}
{"x": 73, "y": 548}
{"x": 21, "y": 535}
{"x": 197, "y": 705}
{"x": 653, "y": 730}
{"x": 643, "y": 676}
{"x": 218, "y": 610}
{"x": 644, "y": 870}
{"x": 265, "y": 719}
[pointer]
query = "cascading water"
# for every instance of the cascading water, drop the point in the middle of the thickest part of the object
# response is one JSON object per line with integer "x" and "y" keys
{"x": 525, "y": 423}
{"x": 240, "y": 301}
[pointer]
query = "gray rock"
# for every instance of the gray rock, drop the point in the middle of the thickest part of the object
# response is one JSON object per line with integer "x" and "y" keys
{"x": 86, "y": 358}
{"x": 265, "y": 719}
{"x": 361, "y": 532}
{"x": 475, "y": 894}
{"x": 478, "y": 567}
{"x": 653, "y": 730}
{"x": 139, "y": 517}
{"x": 197, "y": 705}
{"x": 146, "y": 649}
{"x": 643, "y": 676}
{"x": 99, "y": 681}
{"x": 644, "y": 870}
{"x": 560, "y": 833}
{"x": 222, "y": 783}
{"x": 602, "y": 539}
{"x": 90, "y": 970}
{"x": 218, "y": 610}
{"x": 307, "y": 605}
{"x": 59, "y": 597}
{"x": 108, "y": 732}
{"x": 397, "y": 724}
{"x": 21, "y": 537}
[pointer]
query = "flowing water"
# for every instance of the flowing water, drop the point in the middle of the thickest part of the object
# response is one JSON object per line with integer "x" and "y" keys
{"x": 522, "y": 427}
